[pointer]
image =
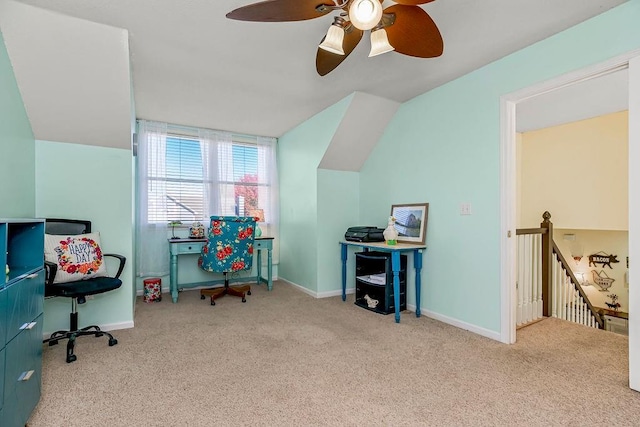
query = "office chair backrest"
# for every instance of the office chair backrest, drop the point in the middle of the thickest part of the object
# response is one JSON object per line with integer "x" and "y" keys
{"x": 66, "y": 226}
{"x": 229, "y": 246}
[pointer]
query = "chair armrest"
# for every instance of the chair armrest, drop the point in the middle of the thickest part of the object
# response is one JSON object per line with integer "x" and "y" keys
{"x": 50, "y": 271}
{"x": 122, "y": 262}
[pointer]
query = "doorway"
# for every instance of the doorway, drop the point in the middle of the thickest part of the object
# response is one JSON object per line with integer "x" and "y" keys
{"x": 509, "y": 194}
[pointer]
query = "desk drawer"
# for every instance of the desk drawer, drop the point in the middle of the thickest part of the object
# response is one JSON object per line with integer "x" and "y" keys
{"x": 190, "y": 248}
{"x": 263, "y": 244}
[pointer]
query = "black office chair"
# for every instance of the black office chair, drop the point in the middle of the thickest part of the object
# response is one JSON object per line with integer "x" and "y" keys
{"x": 77, "y": 290}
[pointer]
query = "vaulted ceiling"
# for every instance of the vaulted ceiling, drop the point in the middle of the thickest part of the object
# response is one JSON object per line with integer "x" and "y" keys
{"x": 191, "y": 65}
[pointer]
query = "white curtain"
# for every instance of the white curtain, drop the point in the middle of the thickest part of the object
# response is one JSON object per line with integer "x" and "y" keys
{"x": 213, "y": 146}
{"x": 219, "y": 176}
{"x": 268, "y": 196}
{"x": 152, "y": 247}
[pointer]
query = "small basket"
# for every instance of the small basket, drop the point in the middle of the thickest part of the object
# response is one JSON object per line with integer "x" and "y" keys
{"x": 152, "y": 290}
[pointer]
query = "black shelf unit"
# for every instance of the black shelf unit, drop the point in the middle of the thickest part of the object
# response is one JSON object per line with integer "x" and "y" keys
{"x": 378, "y": 263}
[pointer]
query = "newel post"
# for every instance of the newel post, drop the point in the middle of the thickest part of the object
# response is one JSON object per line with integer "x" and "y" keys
{"x": 547, "y": 254}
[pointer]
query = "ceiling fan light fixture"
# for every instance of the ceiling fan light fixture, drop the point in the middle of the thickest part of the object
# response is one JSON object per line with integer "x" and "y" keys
{"x": 380, "y": 43}
{"x": 334, "y": 39}
{"x": 365, "y": 14}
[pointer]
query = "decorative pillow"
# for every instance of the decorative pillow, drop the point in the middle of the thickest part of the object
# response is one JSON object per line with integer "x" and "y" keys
{"x": 78, "y": 257}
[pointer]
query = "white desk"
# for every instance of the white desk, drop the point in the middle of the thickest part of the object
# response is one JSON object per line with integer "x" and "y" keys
{"x": 395, "y": 266}
{"x": 179, "y": 247}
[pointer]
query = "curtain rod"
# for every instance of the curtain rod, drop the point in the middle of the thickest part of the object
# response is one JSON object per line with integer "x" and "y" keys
{"x": 195, "y": 130}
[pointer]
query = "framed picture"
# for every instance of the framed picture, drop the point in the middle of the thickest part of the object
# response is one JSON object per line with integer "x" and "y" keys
{"x": 411, "y": 222}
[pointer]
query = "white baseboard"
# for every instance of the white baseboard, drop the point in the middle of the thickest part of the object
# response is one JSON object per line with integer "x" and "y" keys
{"x": 318, "y": 294}
{"x": 458, "y": 323}
{"x": 433, "y": 315}
{"x": 329, "y": 294}
{"x": 106, "y": 327}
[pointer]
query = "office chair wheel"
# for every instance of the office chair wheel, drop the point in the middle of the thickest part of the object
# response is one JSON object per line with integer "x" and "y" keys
{"x": 112, "y": 342}
{"x": 244, "y": 299}
{"x": 213, "y": 302}
{"x": 248, "y": 292}
{"x": 70, "y": 345}
{"x": 201, "y": 296}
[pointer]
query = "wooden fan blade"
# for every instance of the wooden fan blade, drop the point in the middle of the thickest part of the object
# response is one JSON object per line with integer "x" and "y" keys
{"x": 414, "y": 33}
{"x": 280, "y": 10}
{"x": 327, "y": 61}
{"x": 412, "y": 2}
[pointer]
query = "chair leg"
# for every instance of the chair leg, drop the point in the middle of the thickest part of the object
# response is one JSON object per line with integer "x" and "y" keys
{"x": 70, "y": 345}
{"x": 215, "y": 293}
{"x": 240, "y": 291}
{"x": 74, "y": 333}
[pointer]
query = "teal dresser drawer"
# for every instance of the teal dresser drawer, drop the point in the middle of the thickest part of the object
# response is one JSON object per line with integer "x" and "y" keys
{"x": 1, "y": 381}
{"x": 25, "y": 302}
{"x": 3, "y": 317}
{"x": 21, "y": 305}
{"x": 23, "y": 374}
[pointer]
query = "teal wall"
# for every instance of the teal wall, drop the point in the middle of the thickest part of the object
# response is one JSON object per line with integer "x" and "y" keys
{"x": 338, "y": 208}
{"x": 299, "y": 153}
{"x": 94, "y": 183}
{"x": 446, "y": 148}
{"x": 17, "y": 147}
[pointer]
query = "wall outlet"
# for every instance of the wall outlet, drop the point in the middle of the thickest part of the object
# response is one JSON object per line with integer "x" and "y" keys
{"x": 465, "y": 209}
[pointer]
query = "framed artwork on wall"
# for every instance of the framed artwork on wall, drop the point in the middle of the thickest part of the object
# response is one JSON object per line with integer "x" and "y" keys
{"x": 411, "y": 222}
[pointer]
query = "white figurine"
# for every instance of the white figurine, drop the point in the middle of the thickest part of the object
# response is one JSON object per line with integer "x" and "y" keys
{"x": 390, "y": 233}
{"x": 371, "y": 303}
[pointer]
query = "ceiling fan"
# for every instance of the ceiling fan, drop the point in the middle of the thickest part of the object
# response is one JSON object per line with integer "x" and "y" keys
{"x": 403, "y": 26}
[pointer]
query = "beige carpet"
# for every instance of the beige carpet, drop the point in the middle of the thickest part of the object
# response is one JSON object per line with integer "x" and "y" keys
{"x": 287, "y": 359}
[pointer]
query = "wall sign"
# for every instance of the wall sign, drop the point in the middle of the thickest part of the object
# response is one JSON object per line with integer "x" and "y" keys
{"x": 602, "y": 258}
{"x": 603, "y": 281}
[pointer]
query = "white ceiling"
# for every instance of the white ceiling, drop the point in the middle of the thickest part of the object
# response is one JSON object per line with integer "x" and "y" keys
{"x": 192, "y": 66}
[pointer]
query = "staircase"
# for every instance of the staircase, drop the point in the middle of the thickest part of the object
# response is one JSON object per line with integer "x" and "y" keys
{"x": 546, "y": 286}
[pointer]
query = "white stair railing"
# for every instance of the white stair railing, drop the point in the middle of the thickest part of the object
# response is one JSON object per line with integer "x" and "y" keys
{"x": 546, "y": 286}
{"x": 567, "y": 302}
{"x": 529, "y": 285}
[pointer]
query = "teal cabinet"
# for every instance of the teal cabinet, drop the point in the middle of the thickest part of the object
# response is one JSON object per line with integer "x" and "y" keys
{"x": 23, "y": 374}
{"x": 1, "y": 381}
{"x": 21, "y": 305}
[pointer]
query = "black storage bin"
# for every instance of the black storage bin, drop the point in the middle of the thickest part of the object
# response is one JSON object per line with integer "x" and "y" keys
{"x": 374, "y": 280}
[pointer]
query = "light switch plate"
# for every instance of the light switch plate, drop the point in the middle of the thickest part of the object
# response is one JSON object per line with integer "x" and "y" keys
{"x": 465, "y": 209}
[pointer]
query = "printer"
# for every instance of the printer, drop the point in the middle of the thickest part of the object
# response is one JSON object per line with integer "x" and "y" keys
{"x": 364, "y": 234}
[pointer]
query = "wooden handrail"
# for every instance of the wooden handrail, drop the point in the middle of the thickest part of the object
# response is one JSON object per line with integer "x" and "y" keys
{"x": 576, "y": 285}
{"x": 522, "y": 231}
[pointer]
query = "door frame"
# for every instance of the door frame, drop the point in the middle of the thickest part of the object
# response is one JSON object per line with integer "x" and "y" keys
{"x": 508, "y": 169}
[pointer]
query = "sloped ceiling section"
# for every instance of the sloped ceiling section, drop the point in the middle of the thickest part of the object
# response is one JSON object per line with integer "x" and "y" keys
{"x": 580, "y": 101}
{"x": 359, "y": 131}
{"x": 74, "y": 75}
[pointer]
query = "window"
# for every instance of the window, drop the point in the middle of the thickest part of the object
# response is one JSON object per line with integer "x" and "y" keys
{"x": 190, "y": 174}
{"x": 177, "y": 183}
{"x": 175, "y": 188}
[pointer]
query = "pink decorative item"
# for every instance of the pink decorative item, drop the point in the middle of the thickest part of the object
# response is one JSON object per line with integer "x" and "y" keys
{"x": 152, "y": 290}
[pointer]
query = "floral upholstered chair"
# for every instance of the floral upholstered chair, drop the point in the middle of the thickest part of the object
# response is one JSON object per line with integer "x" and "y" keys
{"x": 229, "y": 248}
